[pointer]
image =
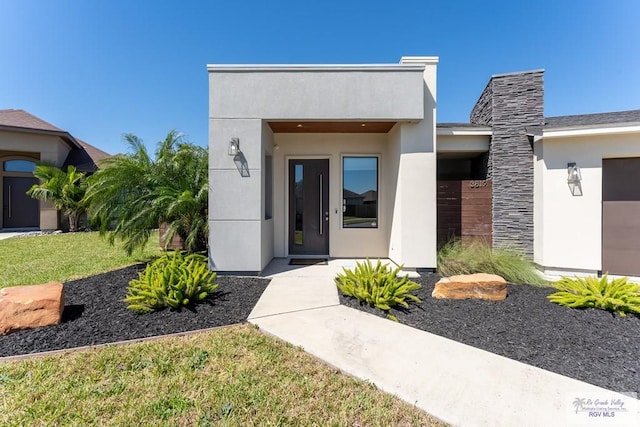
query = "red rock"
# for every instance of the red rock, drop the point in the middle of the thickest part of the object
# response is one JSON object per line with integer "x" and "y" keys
{"x": 27, "y": 307}
{"x": 477, "y": 286}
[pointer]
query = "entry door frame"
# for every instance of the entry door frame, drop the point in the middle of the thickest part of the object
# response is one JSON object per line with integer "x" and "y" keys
{"x": 287, "y": 201}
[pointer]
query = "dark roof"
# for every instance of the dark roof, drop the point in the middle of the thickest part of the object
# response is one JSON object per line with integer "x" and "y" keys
{"x": 85, "y": 157}
{"x": 558, "y": 122}
{"x": 24, "y": 120}
{"x": 348, "y": 194}
{"x": 593, "y": 119}
{"x": 462, "y": 125}
{"x": 370, "y": 196}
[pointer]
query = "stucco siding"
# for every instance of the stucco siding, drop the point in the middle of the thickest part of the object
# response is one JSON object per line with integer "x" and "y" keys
{"x": 235, "y": 202}
{"x": 317, "y": 95}
{"x": 570, "y": 227}
{"x": 267, "y": 230}
{"x": 463, "y": 143}
{"x": 393, "y": 186}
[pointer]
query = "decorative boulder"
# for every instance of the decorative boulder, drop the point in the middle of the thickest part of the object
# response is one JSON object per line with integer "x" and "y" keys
{"x": 27, "y": 307}
{"x": 478, "y": 286}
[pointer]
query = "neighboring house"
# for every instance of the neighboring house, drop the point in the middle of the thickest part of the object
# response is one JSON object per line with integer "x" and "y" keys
{"x": 25, "y": 140}
{"x": 313, "y": 139}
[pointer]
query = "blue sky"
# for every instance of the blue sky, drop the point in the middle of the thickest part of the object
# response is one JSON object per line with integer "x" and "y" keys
{"x": 101, "y": 69}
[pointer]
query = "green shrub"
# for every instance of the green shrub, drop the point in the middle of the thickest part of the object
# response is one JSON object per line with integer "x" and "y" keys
{"x": 377, "y": 286}
{"x": 174, "y": 281}
{"x": 618, "y": 295}
{"x": 478, "y": 256}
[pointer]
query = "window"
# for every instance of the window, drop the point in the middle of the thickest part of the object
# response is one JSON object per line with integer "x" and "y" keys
{"x": 360, "y": 192}
{"x": 298, "y": 200}
{"x": 19, "y": 166}
{"x": 268, "y": 187}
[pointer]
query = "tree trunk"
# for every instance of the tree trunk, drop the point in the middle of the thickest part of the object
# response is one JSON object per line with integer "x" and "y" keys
{"x": 73, "y": 221}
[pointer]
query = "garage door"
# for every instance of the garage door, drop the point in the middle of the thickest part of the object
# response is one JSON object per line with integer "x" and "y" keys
{"x": 621, "y": 216}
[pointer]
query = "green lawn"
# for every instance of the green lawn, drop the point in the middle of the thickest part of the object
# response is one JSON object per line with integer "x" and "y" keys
{"x": 61, "y": 257}
{"x": 233, "y": 376}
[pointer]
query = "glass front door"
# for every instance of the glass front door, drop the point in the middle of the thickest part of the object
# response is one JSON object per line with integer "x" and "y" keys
{"x": 309, "y": 207}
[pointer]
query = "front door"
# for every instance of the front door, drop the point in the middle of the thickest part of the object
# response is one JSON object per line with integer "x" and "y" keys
{"x": 309, "y": 207}
{"x": 18, "y": 209}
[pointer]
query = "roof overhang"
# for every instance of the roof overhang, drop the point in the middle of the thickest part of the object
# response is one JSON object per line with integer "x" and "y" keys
{"x": 464, "y": 131}
{"x": 330, "y": 126}
{"x": 593, "y": 130}
{"x": 63, "y": 135}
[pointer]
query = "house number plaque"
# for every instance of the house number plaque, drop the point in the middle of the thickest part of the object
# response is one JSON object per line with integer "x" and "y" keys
{"x": 477, "y": 184}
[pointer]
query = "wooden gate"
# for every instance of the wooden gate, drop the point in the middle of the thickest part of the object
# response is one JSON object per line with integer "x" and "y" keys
{"x": 464, "y": 210}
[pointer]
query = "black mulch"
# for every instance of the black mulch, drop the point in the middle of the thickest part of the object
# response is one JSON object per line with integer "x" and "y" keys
{"x": 95, "y": 314}
{"x": 590, "y": 345}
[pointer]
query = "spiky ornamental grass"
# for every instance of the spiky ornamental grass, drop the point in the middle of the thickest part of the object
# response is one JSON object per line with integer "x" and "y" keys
{"x": 476, "y": 256}
{"x": 377, "y": 286}
{"x": 174, "y": 281}
{"x": 618, "y": 295}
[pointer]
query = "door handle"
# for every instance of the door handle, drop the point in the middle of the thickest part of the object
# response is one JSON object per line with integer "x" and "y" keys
{"x": 321, "y": 207}
{"x": 9, "y": 200}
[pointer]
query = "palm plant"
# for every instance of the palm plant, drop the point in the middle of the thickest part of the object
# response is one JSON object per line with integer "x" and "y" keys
{"x": 133, "y": 193}
{"x": 64, "y": 188}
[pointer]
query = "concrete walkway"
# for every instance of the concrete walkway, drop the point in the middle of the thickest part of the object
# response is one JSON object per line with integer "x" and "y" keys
{"x": 8, "y": 235}
{"x": 454, "y": 382}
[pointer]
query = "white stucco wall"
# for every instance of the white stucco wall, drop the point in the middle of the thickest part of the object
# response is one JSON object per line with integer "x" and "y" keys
{"x": 416, "y": 192}
{"x": 394, "y": 188}
{"x": 343, "y": 92}
{"x": 236, "y": 213}
{"x": 463, "y": 143}
{"x": 267, "y": 227}
{"x": 568, "y": 229}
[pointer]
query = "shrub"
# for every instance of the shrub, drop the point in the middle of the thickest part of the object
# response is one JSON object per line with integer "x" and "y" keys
{"x": 174, "y": 281}
{"x": 618, "y": 295}
{"x": 133, "y": 193}
{"x": 478, "y": 256}
{"x": 377, "y": 286}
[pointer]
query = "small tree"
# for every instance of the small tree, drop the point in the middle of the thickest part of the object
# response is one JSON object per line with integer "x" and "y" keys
{"x": 66, "y": 189}
{"x": 132, "y": 194}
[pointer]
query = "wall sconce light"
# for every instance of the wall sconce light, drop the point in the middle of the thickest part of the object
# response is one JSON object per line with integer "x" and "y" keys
{"x": 234, "y": 147}
{"x": 573, "y": 171}
{"x": 574, "y": 179}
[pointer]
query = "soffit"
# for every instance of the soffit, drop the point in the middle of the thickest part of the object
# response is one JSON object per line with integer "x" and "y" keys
{"x": 331, "y": 127}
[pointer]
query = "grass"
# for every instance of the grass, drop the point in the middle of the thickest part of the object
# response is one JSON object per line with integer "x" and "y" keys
{"x": 61, "y": 257}
{"x": 232, "y": 377}
{"x": 477, "y": 256}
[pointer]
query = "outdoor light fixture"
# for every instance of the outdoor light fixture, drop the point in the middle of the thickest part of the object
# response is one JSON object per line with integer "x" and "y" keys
{"x": 573, "y": 172}
{"x": 234, "y": 147}
{"x": 574, "y": 179}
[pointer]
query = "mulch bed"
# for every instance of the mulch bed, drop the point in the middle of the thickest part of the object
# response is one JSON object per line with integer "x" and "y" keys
{"x": 590, "y": 345}
{"x": 95, "y": 314}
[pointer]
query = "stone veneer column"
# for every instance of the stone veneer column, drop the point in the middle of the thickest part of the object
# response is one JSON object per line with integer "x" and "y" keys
{"x": 509, "y": 104}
